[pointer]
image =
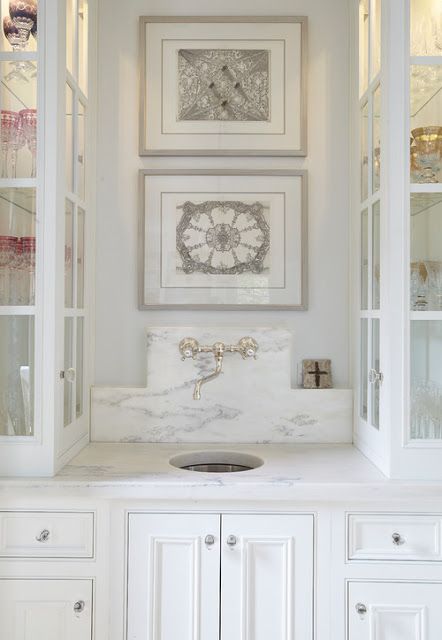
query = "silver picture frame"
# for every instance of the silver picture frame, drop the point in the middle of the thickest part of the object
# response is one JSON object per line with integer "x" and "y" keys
{"x": 149, "y": 93}
{"x": 150, "y": 233}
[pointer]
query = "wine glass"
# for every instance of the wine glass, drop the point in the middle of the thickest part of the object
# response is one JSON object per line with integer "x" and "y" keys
{"x": 434, "y": 270}
{"x": 29, "y": 123}
{"x": 9, "y": 123}
{"x": 23, "y": 14}
{"x": 428, "y": 145}
{"x": 418, "y": 287}
{"x": 28, "y": 257}
{"x": 7, "y": 251}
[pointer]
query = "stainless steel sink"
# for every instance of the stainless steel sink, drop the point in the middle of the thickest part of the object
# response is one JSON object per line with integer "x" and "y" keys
{"x": 216, "y": 461}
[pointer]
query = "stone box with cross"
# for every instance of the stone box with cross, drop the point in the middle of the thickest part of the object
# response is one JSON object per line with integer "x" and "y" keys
{"x": 316, "y": 374}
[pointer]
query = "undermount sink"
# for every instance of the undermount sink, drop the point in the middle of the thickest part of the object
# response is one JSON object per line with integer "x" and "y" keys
{"x": 216, "y": 461}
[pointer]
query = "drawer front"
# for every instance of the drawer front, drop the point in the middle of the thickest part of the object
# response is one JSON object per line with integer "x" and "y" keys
{"x": 394, "y": 537}
{"x": 48, "y": 534}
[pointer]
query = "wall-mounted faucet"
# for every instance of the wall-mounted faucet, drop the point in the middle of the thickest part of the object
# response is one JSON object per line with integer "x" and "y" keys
{"x": 189, "y": 348}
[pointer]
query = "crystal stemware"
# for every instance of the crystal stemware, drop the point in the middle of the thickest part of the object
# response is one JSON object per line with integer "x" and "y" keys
{"x": 29, "y": 122}
{"x": 428, "y": 141}
{"x": 28, "y": 257}
{"x": 8, "y": 131}
{"x": 7, "y": 251}
{"x": 418, "y": 287}
{"x": 24, "y": 15}
{"x": 434, "y": 270}
{"x": 16, "y": 276}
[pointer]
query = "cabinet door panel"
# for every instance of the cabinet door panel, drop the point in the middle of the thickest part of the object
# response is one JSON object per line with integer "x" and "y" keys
{"x": 395, "y": 611}
{"x": 267, "y": 577}
{"x": 45, "y": 609}
{"x": 173, "y": 577}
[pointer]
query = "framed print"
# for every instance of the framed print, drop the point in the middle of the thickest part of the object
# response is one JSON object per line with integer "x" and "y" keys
{"x": 223, "y": 86}
{"x": 221, "y": 238}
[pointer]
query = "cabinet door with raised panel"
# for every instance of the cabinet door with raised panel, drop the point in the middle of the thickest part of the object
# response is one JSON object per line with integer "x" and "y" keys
{"x": 267, "y": 577}
{"x": 173, "y": 577}
{"x": 394, "y": 611}
{"x": 45, "y": 609}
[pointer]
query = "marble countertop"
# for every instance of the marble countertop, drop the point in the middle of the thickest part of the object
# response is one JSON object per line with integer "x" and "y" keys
{"x": 290, "y": 472}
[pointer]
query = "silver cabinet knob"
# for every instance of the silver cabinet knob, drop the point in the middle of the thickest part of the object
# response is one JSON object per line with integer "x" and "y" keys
{"x": 43, "y": 536}
{"x": 79, "y": 606}
{"x": 209, "y": 541}
{"x": 231, "y": 541}
{"x": 69, "y": 375}
{"x": 361, "y": 609}
{"x": 397, "y": 539}
{"x": 375, "y": 376}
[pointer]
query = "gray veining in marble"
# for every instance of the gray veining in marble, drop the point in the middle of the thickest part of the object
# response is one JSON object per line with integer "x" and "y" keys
{"x": 252, "y": 401}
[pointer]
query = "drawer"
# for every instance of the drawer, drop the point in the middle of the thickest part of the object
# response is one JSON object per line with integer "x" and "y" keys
{"x": 394, "y": 537}
{"x": 46, "y": 534}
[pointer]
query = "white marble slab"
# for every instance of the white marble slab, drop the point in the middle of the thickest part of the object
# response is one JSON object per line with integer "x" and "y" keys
{"x": 252, "y": 401}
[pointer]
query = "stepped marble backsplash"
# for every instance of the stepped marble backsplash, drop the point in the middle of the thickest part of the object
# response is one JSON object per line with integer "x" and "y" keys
{"x": 252, "y": 401}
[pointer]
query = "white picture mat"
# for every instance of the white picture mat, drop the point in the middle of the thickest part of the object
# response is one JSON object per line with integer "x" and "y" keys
{"x": 153, "y": 138}
{"x": 275, "y": 277}
{"x": 170, "y": 124}
{"x": 153, "y": 293}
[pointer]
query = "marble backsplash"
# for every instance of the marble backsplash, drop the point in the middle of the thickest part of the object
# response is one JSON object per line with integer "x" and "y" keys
{"x": 252, "y": 401}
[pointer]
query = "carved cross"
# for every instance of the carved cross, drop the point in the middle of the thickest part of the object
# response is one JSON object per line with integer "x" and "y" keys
{"x": 318, "y": 373}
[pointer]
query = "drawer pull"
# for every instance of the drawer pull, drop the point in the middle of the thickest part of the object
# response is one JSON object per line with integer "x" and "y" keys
{"x": 361, "y": 609}
{"x": 397, "y": 539}
{"x": 44, "y": 536}
{"x": 231, "y": 541}
{"x": 209, "y": 541}
{"x": 79, "y": 606}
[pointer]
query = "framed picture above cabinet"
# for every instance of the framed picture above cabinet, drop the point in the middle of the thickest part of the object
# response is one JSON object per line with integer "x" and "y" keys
{"x": 223, "y": 86}
{"x": 223, "y": 238}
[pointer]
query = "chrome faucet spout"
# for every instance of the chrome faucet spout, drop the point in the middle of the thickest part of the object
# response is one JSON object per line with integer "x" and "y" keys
{"x": 199, "y": 383}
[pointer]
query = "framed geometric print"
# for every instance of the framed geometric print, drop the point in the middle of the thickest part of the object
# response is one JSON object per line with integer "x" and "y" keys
{"x": 223, "y": 239}
{"x": 223, "y": 86}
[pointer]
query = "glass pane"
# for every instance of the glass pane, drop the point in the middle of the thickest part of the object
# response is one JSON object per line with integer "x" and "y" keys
{"x": 426, "y": 28}
{"x": 19, "y": 35}
{"x": 375, "y": 37}
{"x": 68, "y": 364}
{"x": 79, "y": 368}
{"x": 17, "y": 246}
{"x": 18, "y": 124}
{"x": 16, "y": 375}
{"x": 83, "y": 44}
{"x": 69, "y": 255}
{"x": 364, "y": 22}
{"x": 376, "y": 256}
{"x": 364, "y": 152}
{"x": 376, "y": 149}
{"x": 80, "y": 151}
{"x": 70, "y": 35}
{"x": 426, "y": 252}
{"x": 375, "y": 364}
{"x": 80, "y": 258}
{"x": 69, "y": 139}
{"x": 364, "y": 259}
{"x": 426, "y": 379}
{"x": 363, "y": 401}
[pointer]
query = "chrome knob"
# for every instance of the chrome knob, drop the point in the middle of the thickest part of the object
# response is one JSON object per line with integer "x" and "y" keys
{"x": 231, "y": 541}
{"x": 397, "y": 539}
{"x": 209, "y": 541}
{"x": 361, "y": 609}
{"x": 68, "y": 375}
{"x": 375, "y": 377}
{"x": 43, "y": 536}
{"x": 79, "y": 606}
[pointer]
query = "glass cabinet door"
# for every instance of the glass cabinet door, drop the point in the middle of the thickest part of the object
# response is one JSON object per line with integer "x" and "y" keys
{"x": 19, "y": 244}
{"x": 425, "y": 222}
{"x": 370, "y": 211}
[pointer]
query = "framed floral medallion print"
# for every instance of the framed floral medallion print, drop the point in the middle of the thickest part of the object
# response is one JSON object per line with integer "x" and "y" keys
{"x": 223, "y": 86}
{"x": 223, "y": 238}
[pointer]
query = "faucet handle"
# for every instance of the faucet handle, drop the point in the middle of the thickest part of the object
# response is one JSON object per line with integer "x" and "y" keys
{"x": 248, "y": 347}
{"x": 189, "y": 347}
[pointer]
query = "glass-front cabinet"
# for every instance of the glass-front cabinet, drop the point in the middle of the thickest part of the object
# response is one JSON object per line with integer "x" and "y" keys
{"x": 44, "y": 57}
{"x": 399, "y": 235}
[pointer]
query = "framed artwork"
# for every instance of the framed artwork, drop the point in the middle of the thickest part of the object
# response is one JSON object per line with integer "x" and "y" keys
{"x": 221, "y": 238}
{"x": 223, "y": 86}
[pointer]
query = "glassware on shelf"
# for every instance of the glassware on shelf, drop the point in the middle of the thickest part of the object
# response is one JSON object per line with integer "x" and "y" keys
{"x": 7, "y": 253}
{"x": 14, "y": 38}
{"x": 414, "y": 166}
{"x": 418, "y": 287}
{"x": 426, "y": 28}
{"x": 434, "y": 271}
{"x": 29, "y": 123}
{"x": 28, "y": 265}
{"x": 9, "y": 122}
{"x": 428, "y": 141}
{"x": 16, "y": 296}
{"x": 426, "y": 410}
{"x": 23, "y": 14}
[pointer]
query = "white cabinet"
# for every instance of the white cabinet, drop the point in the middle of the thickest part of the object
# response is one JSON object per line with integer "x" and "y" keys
{"x": 177, "y": 562}
{"x": 266, "y": 577}
{"x": 394, "y": 611}
{"x": 45, "y": 609}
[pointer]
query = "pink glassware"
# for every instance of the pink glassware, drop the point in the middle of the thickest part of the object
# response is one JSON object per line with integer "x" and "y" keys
{"x": 29, "y": 123}
{"x": 28, "y": 263}
{"x": 9, "y": 122}
{"x": 7, "y": 252}
{"x": 16, "y": 279}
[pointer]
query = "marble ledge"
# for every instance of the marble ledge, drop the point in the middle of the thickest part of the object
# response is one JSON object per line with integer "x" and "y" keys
{"x": 290, "y": 473}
